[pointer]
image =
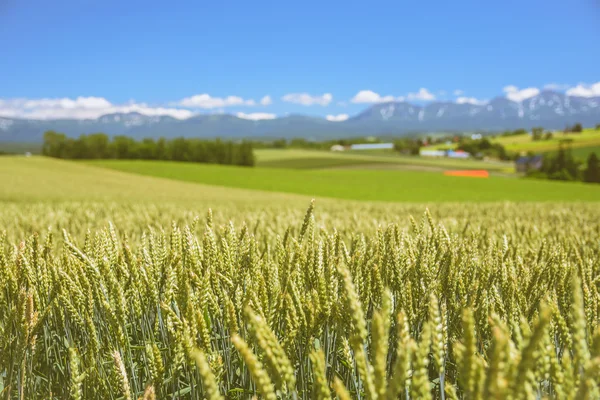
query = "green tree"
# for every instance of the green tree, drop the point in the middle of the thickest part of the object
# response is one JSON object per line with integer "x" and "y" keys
{"x": 100, "y": 146}
{"x": 147, "y": 149}
{"x": 79, "y": 148}
{"x": 592, "y": 172}
{"x": 536, "y": 133}
{"x": 124, "y": 148}
{"x": 279, "y": 144}
{"x": 96, "y": 146}
{"x": 180, "y": 150}
{"x": 200, "y": 152}
{"x": 162, "y": 152}
{"x": 230, "y": 151}
{"x": 561, "y": 166}
{"x": 408, "y": 146}
{"x": 55, "y": 145}
{"x": 577, "y": 128}
{"x": 245, "y": 155}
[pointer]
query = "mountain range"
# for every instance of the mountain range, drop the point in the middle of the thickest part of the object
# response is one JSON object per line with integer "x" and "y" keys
{"x": 549, "y": 109}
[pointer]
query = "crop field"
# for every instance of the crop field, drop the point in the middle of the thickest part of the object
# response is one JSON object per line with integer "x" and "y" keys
{"x": 324, "y": 162}
{"x": 316, "y": 159}
{"x": 126, "y": 283}
{"x": 384, "y": 185}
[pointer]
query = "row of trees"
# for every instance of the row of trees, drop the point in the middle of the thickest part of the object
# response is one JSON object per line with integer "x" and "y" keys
{"x": 516, "y": 132}
{"x": 408, "y": 146}
{"x": 483, "y": 148}
{"x": 576, "y": 128}
{"x": 563, "y": 166}
{"x": 100, "y": 146}
{"x": 538, "y": 134}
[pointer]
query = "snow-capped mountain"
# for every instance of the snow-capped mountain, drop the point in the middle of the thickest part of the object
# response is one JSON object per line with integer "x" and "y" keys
{"x": 134, "y": 119}
{"x": 549, "y": 109}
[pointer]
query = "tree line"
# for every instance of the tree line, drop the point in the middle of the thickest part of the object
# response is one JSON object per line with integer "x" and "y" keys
{"x": 101, "y": 146}
{"x": 564, "y": 167}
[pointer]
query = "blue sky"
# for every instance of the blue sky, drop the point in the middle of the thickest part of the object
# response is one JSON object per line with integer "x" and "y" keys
{"x": 80, "y": 58}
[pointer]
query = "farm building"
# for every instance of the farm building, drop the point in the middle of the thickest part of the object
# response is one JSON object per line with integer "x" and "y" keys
{"x": 524, "y": 164}
{"x": 372, "y": 146}
{"x": 458, "y": 154}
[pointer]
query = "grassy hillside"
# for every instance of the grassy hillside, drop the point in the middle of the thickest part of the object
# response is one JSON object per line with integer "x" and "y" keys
{"x": 40, "y": 179}
{"x": 363, "y": 184}
{"x": 588, "y": 138}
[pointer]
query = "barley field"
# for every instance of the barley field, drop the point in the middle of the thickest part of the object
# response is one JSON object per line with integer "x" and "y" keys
{"x": 197, "y": 292}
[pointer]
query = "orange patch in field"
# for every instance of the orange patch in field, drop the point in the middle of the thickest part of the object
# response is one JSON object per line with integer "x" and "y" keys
{"x": 476, "y": 173}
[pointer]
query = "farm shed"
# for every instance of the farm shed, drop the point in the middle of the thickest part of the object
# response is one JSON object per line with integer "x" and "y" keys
{"x": 524, "y": 164}
{"x": 458, "y": 154}
{"x": 372, "y": 146}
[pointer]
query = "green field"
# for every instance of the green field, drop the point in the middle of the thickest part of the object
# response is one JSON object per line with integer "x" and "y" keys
{"x": 315, "y": 159}
{"x": 323, "y": 162}
{"x": 520, "y": 143}
{"x": 409, "y": 186}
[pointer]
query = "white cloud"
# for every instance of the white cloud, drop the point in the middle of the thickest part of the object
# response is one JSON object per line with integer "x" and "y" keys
{"x": 207, "y": 101}
{"x": 556, "y": 86}
{"x": 470, "y": 100}
{"x": 458, "y": 92}
{"x": 337, "y": 118}
{"x": 66, "y": 103}
{"x": 255, "y": 116}
{"x": 369, "y": 96}
{"x": 515, "y": 94}
{"x": 583, "y": 90}
{"x": 265, "y": 101}
{"x": 80, "y": 108}
{"x": 308, "y": 100}
{"x": 422, "y": 94}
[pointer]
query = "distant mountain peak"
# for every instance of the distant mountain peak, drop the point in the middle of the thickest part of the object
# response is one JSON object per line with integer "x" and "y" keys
{"x": 550, "y": 109}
